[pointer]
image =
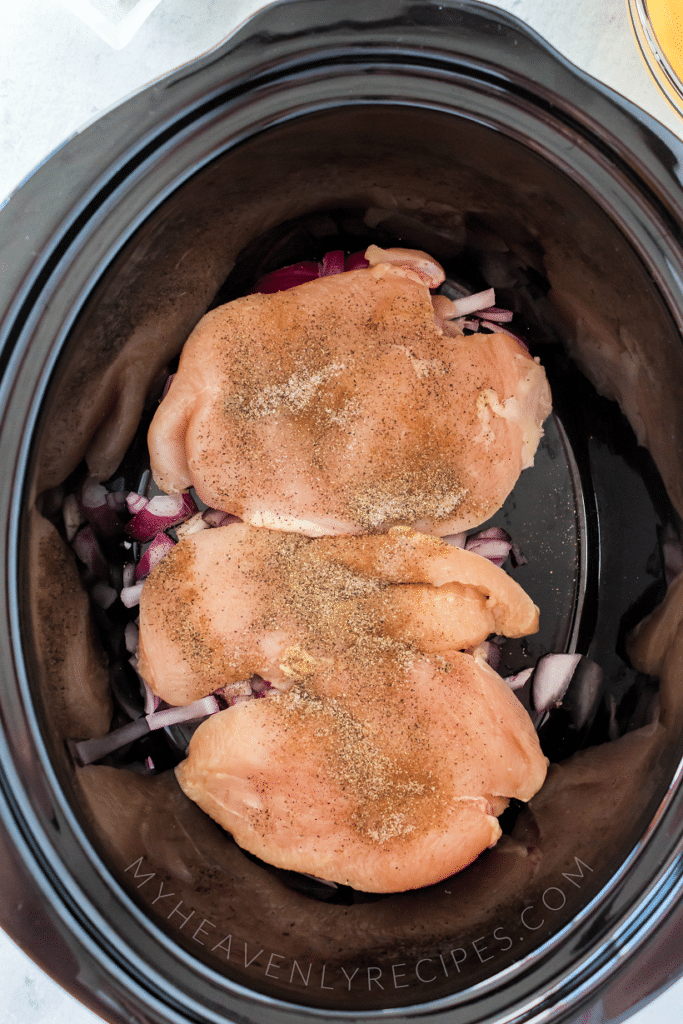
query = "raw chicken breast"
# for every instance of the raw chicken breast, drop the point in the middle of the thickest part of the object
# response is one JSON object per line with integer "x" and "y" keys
{"x": 340, "y": 407}
{"x": 385, "y": 772}
{"x": 228, "y": 603}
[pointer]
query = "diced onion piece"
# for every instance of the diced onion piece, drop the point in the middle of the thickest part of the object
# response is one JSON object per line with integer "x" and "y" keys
{"x": 552, "y": 677}
{"x": 356, "y": 261}
{"x": 333, "y": 263}
{"x": 93, "y": 494}
{"x": 87, "y": 548}
{"x": 472, "y": 303}
{"x": 167, "y": 386}
{"x": 517, "y": 681}
{"x": 162, "y": 512}
{"x": 159, "y": 547}
{"x": 489, "y": 653}
{"x": 492, "y": 533}
{"x": 117, "y": 500}
{"x": 88, "y": 751}
{"x": 131, "y": 636}
{"x": 97, "y": 510}
{"x": 494, "y": 544}
{"x": 240, "y": 688}
{"x": 502, "y": 330}
{"x": 189, "y": 713}
{"x": 130, "y": 596}
{"x": 128, "y": 574}
{"x": 136, "y": 502}
{"x": 152, "y": 702}
{"x": 288, "y": 277}
{"x": 496, "y": 315}
{"x": 195, "y": 524}
{"x": 260, "y": 686}
{"x": 214, "y": 517}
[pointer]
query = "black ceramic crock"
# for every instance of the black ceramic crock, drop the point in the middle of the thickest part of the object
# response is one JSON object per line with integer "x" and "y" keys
{"x": 447, "y": 124}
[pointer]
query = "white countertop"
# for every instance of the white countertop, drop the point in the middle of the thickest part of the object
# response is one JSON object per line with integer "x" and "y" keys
{"x": 57, "y": 74}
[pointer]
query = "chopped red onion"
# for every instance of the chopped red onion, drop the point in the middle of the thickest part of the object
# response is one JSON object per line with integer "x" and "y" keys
{"x": 167, "y": 386}
{"x": 88, "y": 751}
{"x": 87, "y": 548}
{"x": 472, "y": 303}
{"x": 288, "y": 277}
{"x": 159, "y": 547}
{"x": 502, "y": 330}
{"x": 490, "y": 653}
{"x": 456, "y": 540}
{"x": 260, "y": 687}
{"x": 117, "y": 500}
{"x": 552, "y": 677}
{"x": 131, "y": 636}
{"x": 494, "y": 544}
{"x": 299, "y": 273}
{"x": 333, "y": 263}
{"x": 130, "y": 596}
{"x": 152, "y": 702}
{"x": 497, "y": 315}
{"x": 162, "y": 512}
{"x": 195, "y": 524}
{"x": 189, "y": 713}
{"x": 491, "y": 533}
{"x": 517, "y": 681}
{"x": 97, "y": 510}
{"x": 495, "y": 550}
{"x": 356, "y": 261}
{"x": 214, "y": 517}
{"x": 136, "y": 502}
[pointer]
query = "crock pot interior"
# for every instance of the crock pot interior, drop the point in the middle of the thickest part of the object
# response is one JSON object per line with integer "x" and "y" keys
{"x": 434, "y": 181}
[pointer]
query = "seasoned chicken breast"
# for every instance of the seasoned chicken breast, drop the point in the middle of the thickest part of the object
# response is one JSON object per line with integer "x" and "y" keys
{"x": 231, "y": 602}
{"x": 340, "y": 407}
{"x": 384, "y": 771}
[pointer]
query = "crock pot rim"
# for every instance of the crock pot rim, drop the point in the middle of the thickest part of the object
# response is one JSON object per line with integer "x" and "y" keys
{"x": 459, "y": 6}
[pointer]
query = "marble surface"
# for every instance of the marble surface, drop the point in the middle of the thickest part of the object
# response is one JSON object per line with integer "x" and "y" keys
{"x": 57, "y": 74}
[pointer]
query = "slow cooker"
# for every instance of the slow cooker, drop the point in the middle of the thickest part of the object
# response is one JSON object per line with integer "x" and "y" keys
{"x": 326, "y": 124}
